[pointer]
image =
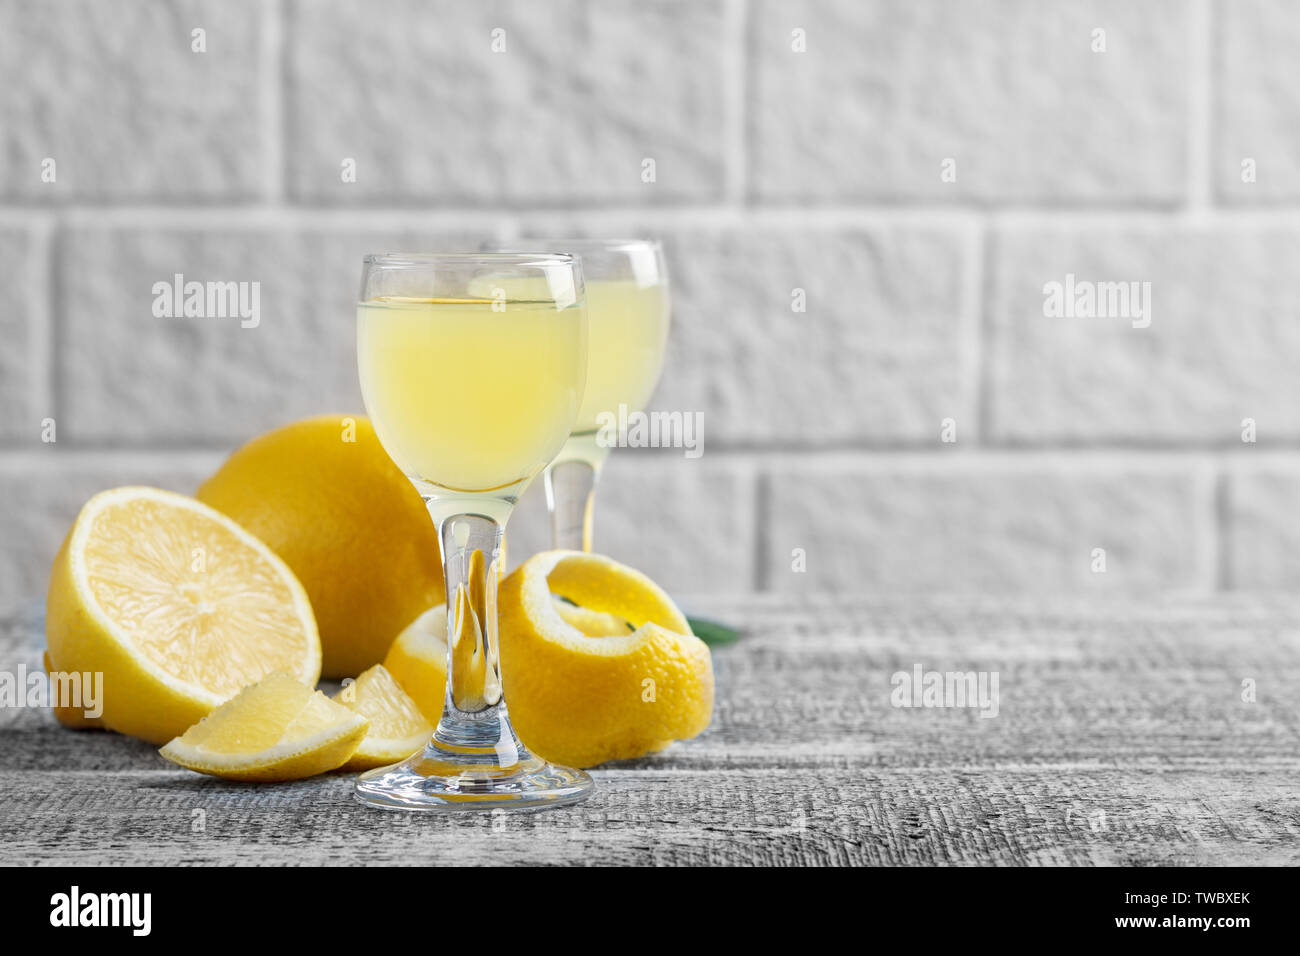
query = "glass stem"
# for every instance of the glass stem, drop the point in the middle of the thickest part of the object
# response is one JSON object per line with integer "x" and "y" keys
{"x": 570, "y": 496}
{"x": 474, "y": 714}
{"x": 571, "y": 491}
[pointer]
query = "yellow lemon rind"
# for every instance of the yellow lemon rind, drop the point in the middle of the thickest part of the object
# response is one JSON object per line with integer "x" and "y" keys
{"x": 71, "y": 717}
{"x": 576, "y": 698}
{"x": 585, "y": 579}
{"x": 598, "y": 706}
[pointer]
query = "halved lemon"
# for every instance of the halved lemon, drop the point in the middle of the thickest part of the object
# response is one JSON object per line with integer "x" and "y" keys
{"x": 277, "y": 729}
{"x": 397, "y": 728}
{"x": 177, "y": 606}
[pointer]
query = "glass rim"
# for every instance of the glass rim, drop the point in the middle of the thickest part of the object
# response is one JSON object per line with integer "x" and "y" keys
{"x": 490, "y": 258}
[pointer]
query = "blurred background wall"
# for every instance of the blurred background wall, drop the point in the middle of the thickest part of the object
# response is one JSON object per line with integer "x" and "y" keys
{"x": 921, "y": 170}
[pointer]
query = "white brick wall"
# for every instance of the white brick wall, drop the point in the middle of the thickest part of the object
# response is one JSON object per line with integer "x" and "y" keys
{"x": 24, "y": 330}
{"x": 1010, "y": 89}
{"x": 114, "y": 94}
{"x": 581, "y": 95}
{"x": 1222, "y": 344}
{"x": 776, "y": 170}
{"x": 1255, "y": 105}
{"x": 876, "y": 356}
{"x": 993, "y": 523}
{"x": 1259, "y": 508}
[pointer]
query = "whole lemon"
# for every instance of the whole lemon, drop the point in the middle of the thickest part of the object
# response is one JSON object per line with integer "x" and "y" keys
{"x": 328, "y": 500}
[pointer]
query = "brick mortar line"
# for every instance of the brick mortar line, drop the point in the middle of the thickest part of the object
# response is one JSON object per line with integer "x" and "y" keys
{"x": 1101, "y": 464}
{"x": 1201, "y": 85}
{"x": 1209, "y": 534}
{"x": 53, "y": 306}
{"x": 262, "y": 216}
{"x": 977, "y": 334}
{"x": 1081, "y": 460}
{"x": 1223, "y": 524}
{"x": 761, "y": 517}
{"x": 736, "y": 92}
{"x": 273, "y": 63}
{"x": 44, "y": 335}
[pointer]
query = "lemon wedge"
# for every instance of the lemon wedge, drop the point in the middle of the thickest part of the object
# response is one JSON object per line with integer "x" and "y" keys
{"x": 277, "y": 729}
{"x": 397, "y": 727}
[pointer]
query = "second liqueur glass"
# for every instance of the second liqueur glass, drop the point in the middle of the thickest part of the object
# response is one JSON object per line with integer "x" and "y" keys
{"x": 472, "y": 370}
{"x": 628, "y": 310}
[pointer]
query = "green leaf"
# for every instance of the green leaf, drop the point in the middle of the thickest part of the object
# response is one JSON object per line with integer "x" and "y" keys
{"x": 711, "y": 632}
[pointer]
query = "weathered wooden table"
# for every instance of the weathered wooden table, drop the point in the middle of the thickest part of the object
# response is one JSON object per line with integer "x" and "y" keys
{"x": 1122, "y": 737}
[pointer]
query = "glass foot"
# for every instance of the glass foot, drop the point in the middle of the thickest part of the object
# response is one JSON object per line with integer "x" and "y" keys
{"x": 452, "y": 774}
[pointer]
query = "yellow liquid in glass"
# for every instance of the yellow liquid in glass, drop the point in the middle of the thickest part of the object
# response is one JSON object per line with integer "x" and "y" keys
{"x": 629, "y": 329}
{"x": 467, "y": 397}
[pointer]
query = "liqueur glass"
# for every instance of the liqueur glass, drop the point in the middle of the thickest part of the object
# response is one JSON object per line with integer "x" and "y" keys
{"x": 472, "y": 369}
{"x": 628, "y": 312}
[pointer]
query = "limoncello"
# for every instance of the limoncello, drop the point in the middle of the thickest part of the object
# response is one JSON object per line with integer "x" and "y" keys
{"x": 629, "y": 330}
{"x": 473, "y": 395}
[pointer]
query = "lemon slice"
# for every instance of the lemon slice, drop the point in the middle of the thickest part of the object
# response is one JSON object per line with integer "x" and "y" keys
{"x": 619, "y": 675}
{"x": 277, "y": 729}
{"x": 177, "y": 606}
{"x": 397, "y": 728}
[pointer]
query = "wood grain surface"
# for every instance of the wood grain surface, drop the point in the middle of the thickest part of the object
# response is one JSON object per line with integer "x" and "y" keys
{"x": 1121, "y": 737}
